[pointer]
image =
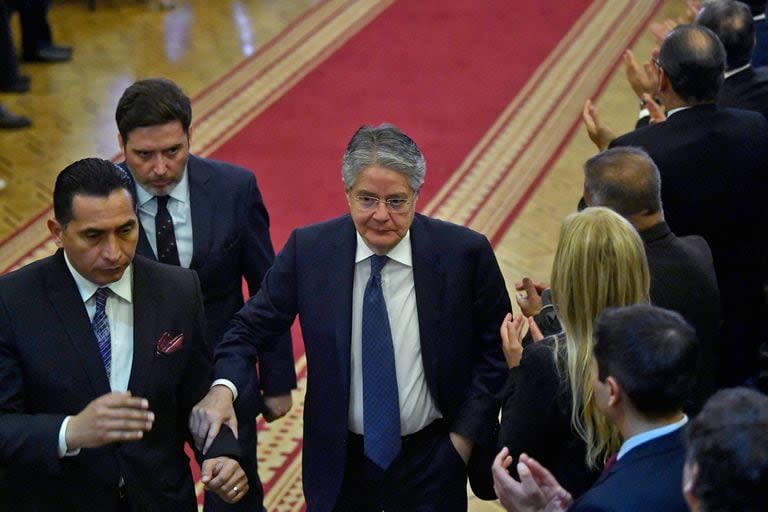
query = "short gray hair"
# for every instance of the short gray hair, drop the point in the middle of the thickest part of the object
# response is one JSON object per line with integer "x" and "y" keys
{"x": 383, "y": 146}
{"x": 624, "y": 179}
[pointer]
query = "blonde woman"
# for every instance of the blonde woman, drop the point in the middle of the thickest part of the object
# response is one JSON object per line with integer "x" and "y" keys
{"x": 548, "y": 407}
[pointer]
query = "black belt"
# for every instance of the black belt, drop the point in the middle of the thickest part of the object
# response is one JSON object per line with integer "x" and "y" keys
{"x": 434, "y": 429}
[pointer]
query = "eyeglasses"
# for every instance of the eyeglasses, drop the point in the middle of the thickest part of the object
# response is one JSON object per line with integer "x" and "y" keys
{"x": 393, "y": 204}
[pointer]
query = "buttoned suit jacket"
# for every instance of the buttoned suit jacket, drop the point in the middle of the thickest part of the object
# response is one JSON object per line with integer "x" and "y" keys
{"x": 461, "y": 299}
{"x": 648, "y": 477}
{"x": 714, "y": 174}
{"x": 50, "y": 367}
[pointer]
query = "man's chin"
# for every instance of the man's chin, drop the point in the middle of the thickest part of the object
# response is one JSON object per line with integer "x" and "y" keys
{"x": 105, "y": 277}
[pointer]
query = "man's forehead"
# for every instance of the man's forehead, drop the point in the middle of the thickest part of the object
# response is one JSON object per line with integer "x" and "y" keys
{"x": 92, "y": 206}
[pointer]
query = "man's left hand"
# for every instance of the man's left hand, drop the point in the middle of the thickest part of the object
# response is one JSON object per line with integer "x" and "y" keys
{"x": 225, "y": 477}
{"x": 275, "y": 407}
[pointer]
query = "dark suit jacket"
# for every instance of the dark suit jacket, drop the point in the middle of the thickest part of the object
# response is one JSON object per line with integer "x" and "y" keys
{"x": 50, "y": 367}
{"x": 230, "y": 237}
{"x": 683, "y": 279}
{"x": 714, "y": 174}
{"x": 747, "y": 90}
{"x": 461, "y": 299}
{"x": 648, "y": 477}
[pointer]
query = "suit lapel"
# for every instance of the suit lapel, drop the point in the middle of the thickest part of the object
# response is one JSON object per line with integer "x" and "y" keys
{"x": 66, "y": 301}
{"x": 341, "y": 267}
{"x": 201, "y": 208}
{"x": 143, "y": 246}
{"x": 429, "y": 282}
{"x": 145, "y": 316}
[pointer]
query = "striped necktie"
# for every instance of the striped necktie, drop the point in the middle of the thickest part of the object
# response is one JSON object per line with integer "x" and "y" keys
{"x": 100, "y": 325}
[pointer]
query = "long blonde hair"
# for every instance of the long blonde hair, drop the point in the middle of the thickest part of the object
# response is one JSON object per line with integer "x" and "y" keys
{"x": 600, "y": 262}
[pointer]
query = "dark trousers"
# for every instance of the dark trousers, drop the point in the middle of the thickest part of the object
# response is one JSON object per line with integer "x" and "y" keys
{"x": 428, "y": 475}
{"x": 35, "y": 29}
{"x": 9, "y": 68}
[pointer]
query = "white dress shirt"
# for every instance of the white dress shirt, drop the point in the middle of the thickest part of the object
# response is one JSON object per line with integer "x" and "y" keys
{"x": 181, "y": 213}
{"x": 119, "y": 310}
{"x": 650, "y": 435}
{"x": 417, "y": 407}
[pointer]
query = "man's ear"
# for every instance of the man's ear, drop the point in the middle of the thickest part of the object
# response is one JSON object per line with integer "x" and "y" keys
{"x": 616, "y": 393}
{"x": 121, "y": 142}
{"x": 56, "y": 230}
{"x": 664, "y": 84}
{"x": 690, "y": 472}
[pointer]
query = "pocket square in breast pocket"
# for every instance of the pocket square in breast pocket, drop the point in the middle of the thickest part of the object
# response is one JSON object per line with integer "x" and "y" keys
{"x": 169, "y": 343}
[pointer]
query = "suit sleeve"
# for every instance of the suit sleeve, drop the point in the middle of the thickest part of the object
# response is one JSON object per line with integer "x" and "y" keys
{"x": 259, "y": 324}
{"x": 28, "y": 441}
{"x": 277, "y": 373}
{"x": 477, "y": 416}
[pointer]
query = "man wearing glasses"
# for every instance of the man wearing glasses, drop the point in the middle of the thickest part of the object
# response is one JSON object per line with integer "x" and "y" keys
{"x": 400, "y": 316}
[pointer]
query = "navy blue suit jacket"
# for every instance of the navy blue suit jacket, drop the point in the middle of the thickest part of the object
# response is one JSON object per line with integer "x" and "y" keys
{"x": 648, "y": 477}
{"x": 230, "y": 237}
{"x": 50, "y": 367}
{"x": 461, "y": 300}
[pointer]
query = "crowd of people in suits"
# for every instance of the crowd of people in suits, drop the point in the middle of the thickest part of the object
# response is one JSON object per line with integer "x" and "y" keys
{"x": 134, "y": 337}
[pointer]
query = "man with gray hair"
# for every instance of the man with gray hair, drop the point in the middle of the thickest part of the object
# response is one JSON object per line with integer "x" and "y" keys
{"x": 400, "y": 316}
{"x": 683, "y": 279}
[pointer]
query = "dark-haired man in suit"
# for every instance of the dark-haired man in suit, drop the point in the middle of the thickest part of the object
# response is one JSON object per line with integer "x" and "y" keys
{"x": 714, "y": 169}
{"x": 102, "y": 356}
{"x": 208, "y": 216}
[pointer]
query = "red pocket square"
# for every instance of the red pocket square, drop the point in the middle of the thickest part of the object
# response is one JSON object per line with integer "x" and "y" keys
{"x": 168, "y": 343}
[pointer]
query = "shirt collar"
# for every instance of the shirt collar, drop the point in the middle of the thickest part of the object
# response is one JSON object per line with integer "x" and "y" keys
{"x": 732, "y": 72}
{"x": 759, "y": 17}
{"x": 649, "y": 435}
{"x": 122, "y": 287}
{"x": 401, "y": 252}
{"x": 180, "y": 192}
{"x": 676, "y": 110}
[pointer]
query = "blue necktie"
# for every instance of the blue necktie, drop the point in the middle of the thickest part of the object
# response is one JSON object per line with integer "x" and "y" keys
{"x": 100, "y": 325}
{"x": 381, "y": 408}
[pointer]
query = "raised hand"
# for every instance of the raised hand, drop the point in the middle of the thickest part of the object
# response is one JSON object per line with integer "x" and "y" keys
{"x": 110, "y": 418}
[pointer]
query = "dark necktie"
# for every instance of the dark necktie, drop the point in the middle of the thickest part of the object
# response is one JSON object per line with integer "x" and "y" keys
{"x": 100, "y": 325}
{"x": 381, "y": 409}
{"x": 166, "y": 238}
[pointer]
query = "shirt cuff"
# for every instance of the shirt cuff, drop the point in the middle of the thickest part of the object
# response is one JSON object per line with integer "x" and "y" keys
{"x": 644, "y": 112}
{"x": 63, "y": 450}
{"x": 229, "y": 384}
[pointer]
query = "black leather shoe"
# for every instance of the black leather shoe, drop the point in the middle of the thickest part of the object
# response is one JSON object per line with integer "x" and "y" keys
{"x": 10, "y": 121}
{"x": 21, "y": 84}
{"x": 50, "y": 54}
